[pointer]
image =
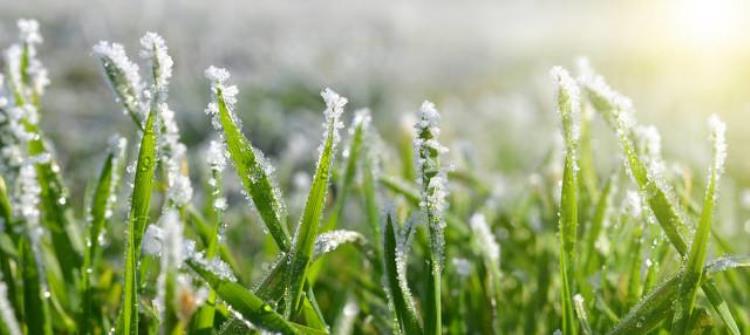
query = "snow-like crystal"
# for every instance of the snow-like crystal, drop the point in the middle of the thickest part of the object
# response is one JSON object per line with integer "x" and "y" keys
{"x": 29, "y": 31}
{"x": 718, "y": 138}
{"x": 7, "y": 315}
{"x": 152, "y": 240}
{"x": 485, "y": 238}
{"x": 216, "y": 156}
{"x": 155, "y": 49}
{"x": 330, "y": 241}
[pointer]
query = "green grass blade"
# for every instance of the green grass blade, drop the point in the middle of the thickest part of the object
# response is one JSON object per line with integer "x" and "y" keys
{"x": 101, "y": 210}
{"x": 354, "y": 150}
{"x": 37, "y": 313}
{"x": 372, "y": 209}
{"x": 401, "y": 187}
{"x": 251, "y": 167}
{"x": 137, "y": 220}
{"x": 250, "y": 306}
{"x": 699, "y": 247}
{"x": 306, "y": 233}
{"x": 568, "y": 105}
{"x": 395, "y": 280}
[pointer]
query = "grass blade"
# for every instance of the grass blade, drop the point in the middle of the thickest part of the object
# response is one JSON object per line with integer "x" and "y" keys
{"x": 432, "y": 180}
{"x": 101, "y": 210}
{"x": 304, "y": 237}
{"x": 37, "y": 313}
{"x": 568, "y": 105}
{"x": 251, "y": 167}
{"x": 394, "y": 269}
{"x": 137, "y": 220}
{"x": 357, "y": 131}
{"x": 698, "y": 249}
{"x": 245, "y": 302}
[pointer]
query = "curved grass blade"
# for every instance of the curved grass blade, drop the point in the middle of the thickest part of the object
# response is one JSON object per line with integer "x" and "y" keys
{"x": 253, "y": 171}
{"x": 659, "y": 303}
{"x": 250, "y": 306}
{"x": 616, "y": 110}
{"x": 395, "y": 281}
{"x": 101, "y": 210}
{"x": 138, "y": 218}
{"x": 123, "y": 78}
{"x": 568, "y": 105}
{"x": 698, "y": 249}
{"x": 307, "y": 230}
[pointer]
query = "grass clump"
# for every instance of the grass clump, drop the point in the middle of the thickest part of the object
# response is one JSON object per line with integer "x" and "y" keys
{"x": 402, "y": 236}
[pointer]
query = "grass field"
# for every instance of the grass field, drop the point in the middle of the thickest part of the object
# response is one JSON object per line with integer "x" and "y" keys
{"x": 378, "y": 231}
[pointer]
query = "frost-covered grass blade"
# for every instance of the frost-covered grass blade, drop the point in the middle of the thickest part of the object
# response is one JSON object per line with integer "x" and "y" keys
{"x": 307, "y": 230}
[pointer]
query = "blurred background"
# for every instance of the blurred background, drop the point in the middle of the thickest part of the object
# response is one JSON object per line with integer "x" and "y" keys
{"x": 484, "y": 63}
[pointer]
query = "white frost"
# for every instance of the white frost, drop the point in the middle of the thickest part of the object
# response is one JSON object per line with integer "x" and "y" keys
{"x": 155, "y": 49}
{"x": 6, "y": 312}
{"x": 330, "y": 241}
{"x": 485, "y": 238}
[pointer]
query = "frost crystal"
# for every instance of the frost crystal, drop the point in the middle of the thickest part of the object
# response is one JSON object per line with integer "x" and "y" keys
{"x": 172, "y": 153}
{"x": 569, "y": 106}
{"x": 221, "y": 93}
{"x": 633, "y": 205}
{"x": 334, "y": 108}
{"x": 214, "y": 265}
{"x": 28, "y": 199}
{"x": 154, "y": 49}
{"x": 432, "y": 178}
{"x": 123, "y": 75}
{"x": 485, "y": 238}
{"x": 216, "y": 156}
{"x": 29, "y": 31}
{"x": 463, "y": 266}
{"x": 13, "y": 63}
{"x": 152, "y": 240}
{"x": 330, "y": 241}
{"x": 596, "y": 84}
{"x": 6, "y": 312}
{"x": 718, "y": 139}
{"x": 172, "y": 237}
{"x": 172, "y": 255}
{"x": 649, "y": 142}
